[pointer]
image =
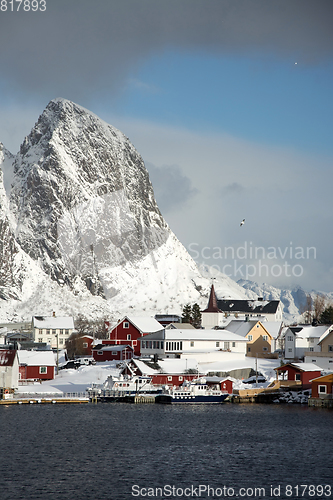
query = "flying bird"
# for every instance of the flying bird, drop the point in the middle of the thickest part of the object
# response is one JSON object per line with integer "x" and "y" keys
{"x": 242, "y": 223}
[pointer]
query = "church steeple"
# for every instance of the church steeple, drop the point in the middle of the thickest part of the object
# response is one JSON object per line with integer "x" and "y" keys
{"x": 212, "y": 303}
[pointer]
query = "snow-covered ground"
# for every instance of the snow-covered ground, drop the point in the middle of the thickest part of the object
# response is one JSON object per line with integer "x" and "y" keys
{"x": 77, "y": 381}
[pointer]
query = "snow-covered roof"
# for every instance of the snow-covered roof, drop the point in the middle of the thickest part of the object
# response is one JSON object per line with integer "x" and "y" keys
{"x": 325, "y": 334}
{"x": 145, "y": 324}
{"x": 53, "y": 322}
{"x": 312, "y": 331}
{"x": 36, "y": 358}
{"x": 248, "y": 306}
{"x": 305, "y": 367}
{"x": 114, "y": 347}
{"x": 175, "y": 334}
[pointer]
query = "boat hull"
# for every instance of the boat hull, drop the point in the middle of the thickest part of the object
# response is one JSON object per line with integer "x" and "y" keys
{"x": 171, "y": 399}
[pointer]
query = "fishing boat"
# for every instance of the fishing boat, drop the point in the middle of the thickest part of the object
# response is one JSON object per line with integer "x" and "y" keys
{"x": 194, "y": 391}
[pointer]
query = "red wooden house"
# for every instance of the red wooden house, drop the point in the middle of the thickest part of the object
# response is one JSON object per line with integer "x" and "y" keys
{"x": 322, "y": 387}
{"x": 84, "y": 344}
{"x": 36, "y": 365}
{"x": 129, "y": 329}
{"x": 299, "y": 374}
{"x": 112, "y": 352}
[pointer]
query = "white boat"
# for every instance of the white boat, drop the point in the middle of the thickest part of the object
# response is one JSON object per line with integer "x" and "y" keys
{"x": 122, "y": 388}
{"x": 195, "y": 391}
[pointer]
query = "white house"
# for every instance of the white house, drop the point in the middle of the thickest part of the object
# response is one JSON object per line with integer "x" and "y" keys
{"x": 302, "y": 339}
{"x": 170, "y": 343}
{"x": 53, "y": 330}
{"x": 9, "y": 369}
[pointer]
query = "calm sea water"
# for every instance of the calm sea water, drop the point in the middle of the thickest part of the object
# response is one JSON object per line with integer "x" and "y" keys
{"x": 122, "y": 451}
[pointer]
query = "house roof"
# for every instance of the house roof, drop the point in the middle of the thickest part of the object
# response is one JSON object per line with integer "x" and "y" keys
{"x": 53, "y": 322}
{"x": 7, "y": 357}
{"x": 325, "y": 378}
{"x": 112, "y": 347}
{"x": 326, "y": 334}
{"x": 36, "y": 358}
{"x": 304, "y": 367}
{"x": 144, "y": 324}
{"x": 248, "y": 306}
{"x": 312, "y": 331}
{"x": 180, "y": 326}
{"x": 175, "y": 334}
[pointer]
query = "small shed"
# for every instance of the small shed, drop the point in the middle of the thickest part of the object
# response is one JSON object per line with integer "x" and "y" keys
{"x": 300, "y": 374}
{"x": 322, "y": 387}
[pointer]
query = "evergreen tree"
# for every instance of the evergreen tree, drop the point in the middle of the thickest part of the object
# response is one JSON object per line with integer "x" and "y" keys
{"x": 326, "y": 316}
{"x": 196, "y": 316}
{"x": 187, "y": 314}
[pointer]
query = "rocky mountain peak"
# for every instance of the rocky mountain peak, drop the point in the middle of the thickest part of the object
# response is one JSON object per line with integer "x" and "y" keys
{"x": 81, "y": 196}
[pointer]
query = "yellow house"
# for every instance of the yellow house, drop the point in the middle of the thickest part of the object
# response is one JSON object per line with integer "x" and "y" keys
{"x": 259, "y": 341}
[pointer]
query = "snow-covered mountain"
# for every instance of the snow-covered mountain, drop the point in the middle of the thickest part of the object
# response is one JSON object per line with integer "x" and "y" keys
{"x": 80, "y": 230}
{"x": 293, "y": 300}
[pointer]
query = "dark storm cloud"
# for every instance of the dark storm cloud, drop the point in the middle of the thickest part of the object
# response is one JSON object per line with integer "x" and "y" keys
{"x": 79, "y": 46}
{"x": 172, "y": 188}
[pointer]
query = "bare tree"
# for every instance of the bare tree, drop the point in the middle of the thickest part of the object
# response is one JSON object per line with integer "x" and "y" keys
{"x": 306, "y": 309}
{"x": 318, "y": 306}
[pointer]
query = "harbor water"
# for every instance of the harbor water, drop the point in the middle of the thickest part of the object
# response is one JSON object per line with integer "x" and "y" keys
{"x": 123, "y": 451}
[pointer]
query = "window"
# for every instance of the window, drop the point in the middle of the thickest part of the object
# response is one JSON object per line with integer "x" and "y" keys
{"x": 143, "y": 344}
{"x": 129, "y": 336}
{"x": 217, "y": 344}
{"x": 42, "y": 370}
{"x": 290, "y": 338}
{"x": 297, "y": 376}
{"x": 322, "y": 389}
{"x": 162, "y": 343}
{"x": 290, "y": 349}
{"x": 311, "y": 349}
{"x": 61, "y": 341}
{"x": 126, "y": 324}
{"x": 84, "y": 345}
{"x": 40, "y": 339}
{"x": 180, "y": 378}
{"x": 249, "y": 349}
{"x": 53, "y": 332}
{"x": 265, "y": 337}
{"x": 66, "y": 332}
{"x": 265, "y": 348}
{"x": 330, "y": 348}
{"x": 192, "y": 344}
{"x": 250, "y": 337}
{"x": 169, "y": 378}
{"x": 47, "y": 332}
{"x": 234, "y": 344}
{"x": 100, "y": 353}
{"x": 226, "y": 345}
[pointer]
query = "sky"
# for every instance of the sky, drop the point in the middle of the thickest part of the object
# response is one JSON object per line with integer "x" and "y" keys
{"x": 229, "y": 102}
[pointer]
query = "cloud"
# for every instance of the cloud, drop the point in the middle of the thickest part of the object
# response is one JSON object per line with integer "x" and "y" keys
{"x": 75, "y": 47}
{"x": 171, "y": 187}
